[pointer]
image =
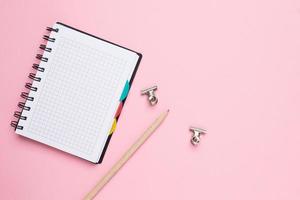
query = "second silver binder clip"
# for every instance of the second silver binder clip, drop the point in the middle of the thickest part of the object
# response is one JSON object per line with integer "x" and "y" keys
{"x": 197, "y": 133}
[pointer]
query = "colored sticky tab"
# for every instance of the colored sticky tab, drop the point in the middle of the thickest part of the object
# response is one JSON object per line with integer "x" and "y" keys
{"x": 113, "y": 127}
{"x": 125, "y": 91}
{"x": 119, "y": 110}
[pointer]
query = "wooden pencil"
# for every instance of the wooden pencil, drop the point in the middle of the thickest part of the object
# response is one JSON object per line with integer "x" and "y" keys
{"x": 126, "y": 156}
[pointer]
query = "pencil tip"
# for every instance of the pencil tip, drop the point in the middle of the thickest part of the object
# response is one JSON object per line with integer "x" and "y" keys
{"x": 168, "y": 110}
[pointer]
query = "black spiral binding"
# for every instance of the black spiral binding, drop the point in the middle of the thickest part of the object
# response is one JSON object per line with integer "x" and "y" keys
{"x": 25, "y": 95}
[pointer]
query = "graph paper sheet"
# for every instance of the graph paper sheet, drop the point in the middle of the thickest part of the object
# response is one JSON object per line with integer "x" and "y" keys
{"x": 78, "y": 95}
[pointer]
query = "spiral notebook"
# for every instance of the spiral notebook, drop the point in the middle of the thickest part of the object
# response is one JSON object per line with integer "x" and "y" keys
{"x": 77, "y": 92}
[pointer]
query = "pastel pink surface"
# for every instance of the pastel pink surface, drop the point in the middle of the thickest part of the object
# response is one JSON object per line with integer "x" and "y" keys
{"x": 231, "y": 67}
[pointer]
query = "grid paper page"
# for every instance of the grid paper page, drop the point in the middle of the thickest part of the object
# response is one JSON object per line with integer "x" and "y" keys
{"x": 78, "y": 97}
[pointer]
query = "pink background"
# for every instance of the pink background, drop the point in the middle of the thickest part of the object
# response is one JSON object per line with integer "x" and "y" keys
{"x": 232, "y": 67}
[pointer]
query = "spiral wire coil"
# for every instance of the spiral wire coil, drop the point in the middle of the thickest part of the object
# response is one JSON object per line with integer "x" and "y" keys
{"x": 25, "y": 95}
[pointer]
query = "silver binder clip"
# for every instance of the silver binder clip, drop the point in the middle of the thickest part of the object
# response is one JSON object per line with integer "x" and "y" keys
{"x": 151, "y": 95}
{"x": 197, "y": 132}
